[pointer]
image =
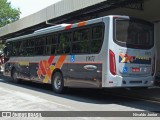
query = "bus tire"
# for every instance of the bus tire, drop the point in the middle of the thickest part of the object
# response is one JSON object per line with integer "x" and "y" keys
{"x": 58, "y": 83}
{"x": 14, "y": 76}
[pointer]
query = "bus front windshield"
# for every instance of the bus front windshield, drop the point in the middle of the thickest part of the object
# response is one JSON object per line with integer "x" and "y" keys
{"x": 134, "y": 32}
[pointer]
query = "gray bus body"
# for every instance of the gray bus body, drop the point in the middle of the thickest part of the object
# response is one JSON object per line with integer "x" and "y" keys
{"x": 124, "y": 55}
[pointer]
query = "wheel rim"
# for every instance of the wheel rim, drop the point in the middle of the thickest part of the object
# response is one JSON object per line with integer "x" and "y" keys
{"x": 14, "y": 75}
{"x": 57, "y": 83}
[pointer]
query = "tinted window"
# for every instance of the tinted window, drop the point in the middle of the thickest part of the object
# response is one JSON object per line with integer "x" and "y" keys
{"x": 22, "y": 48}
{"x": 48, "y": 50}
{"x": 40, "y": 45}
{"x": 39, "y": 50}
{"x": 97, "y": 38}
{"x": 49, "y": 40}
{"x": 80, "y": 43}
{"x": 134, "y": 32}
{"x": 8, "y": 52}
{"x": 64, "y": 43}
{"x": 15, "y": 51}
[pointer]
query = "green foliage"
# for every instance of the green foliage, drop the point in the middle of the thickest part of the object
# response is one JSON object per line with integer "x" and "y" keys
{"x": 1, "y": 47}
{"x": 7, "y": 13}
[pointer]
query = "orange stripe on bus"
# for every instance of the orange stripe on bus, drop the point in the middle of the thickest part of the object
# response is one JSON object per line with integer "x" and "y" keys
{"x": 60, "y": 61}
{"x": 42, "y": 68}
{"x": 122, "y": 56}
{"x": 48, "y": 71}
{"x": 82, "y": 23}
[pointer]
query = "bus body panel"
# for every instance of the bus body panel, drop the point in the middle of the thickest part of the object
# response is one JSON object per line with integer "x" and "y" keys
{"x": 134, "y": 67}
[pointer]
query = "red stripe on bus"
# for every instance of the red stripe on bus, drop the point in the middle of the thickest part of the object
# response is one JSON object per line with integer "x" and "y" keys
{"x": 50, "y": 60}
{"x": 42, "y": 68}
{"x": 68, "y": 27}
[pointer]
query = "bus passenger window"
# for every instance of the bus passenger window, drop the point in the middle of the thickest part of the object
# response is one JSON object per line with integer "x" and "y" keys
{"x": 49, "y": 40}
{"x": 54, "y": 39}
{"x": 16, "y": 46}
{"x": 39, "y": 50}
{"x": 64, "y": 43}
{"x": 21, "y": 48}
{"x": 80, "y": 41}
{"x": 97, "y": 38}
{"x": 29, "y": 51}
{"x": 53, "y": 49}
{"x": 48, "y": 50}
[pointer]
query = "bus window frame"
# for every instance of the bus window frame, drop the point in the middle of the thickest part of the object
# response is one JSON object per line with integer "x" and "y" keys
{"x": 71, "y": 31}
{"x": 132, "y": 46}
{"x": 90, "y": 26}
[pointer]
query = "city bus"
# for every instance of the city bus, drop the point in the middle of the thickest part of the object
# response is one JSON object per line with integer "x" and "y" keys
{"x": 107, "y": 52}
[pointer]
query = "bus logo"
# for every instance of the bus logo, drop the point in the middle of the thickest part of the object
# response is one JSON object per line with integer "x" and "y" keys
{"x": 124, "y": 58}
{"x": 46, "y": 68}
{"x": 125, "y": 70}
{"x": 72, "y": 59}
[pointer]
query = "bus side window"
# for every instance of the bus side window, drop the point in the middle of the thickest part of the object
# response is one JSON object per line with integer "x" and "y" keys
{"x": 40, "y": 45}
{"x": 54, "y": 44}
{"x": 21, "y": 48}
{"x": 64, "y": 43}
{"x": 80, "y": 41}
{"x": 8, "y": 50}
{"x": 30, "y": 47}
{"x": 97, "y": 38}
{"x": 16, "y": 46}
{"x": 48, "y": 45}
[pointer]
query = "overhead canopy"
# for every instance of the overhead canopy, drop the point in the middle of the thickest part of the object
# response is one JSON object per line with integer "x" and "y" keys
{"x": 65, "y": 11}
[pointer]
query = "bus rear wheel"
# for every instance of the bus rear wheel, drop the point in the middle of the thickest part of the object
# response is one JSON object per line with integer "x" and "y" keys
{"x": 58, "y": 83}
{"x": 15, "y": 76}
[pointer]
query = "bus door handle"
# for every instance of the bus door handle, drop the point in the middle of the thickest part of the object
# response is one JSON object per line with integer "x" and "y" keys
{"x": 90, "y": 67}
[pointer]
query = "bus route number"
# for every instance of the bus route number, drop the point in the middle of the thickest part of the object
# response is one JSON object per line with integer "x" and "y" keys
{"x": 90, "y": 58}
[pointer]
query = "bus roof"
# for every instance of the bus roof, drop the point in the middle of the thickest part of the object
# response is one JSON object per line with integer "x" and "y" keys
{"x": 61, "y": 27}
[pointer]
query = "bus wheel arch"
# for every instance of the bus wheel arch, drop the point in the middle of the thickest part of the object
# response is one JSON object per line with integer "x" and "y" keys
{"x": 57, "y": 81}
{"x": 12, "y": 70}
{"x": 14, "y": 75}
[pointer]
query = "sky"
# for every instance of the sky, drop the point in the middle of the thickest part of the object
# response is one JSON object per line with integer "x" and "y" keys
{"x": 28, "y": 7}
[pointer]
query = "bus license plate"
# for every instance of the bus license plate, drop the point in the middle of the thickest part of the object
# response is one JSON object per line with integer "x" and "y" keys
{"x": 135, "y": 69}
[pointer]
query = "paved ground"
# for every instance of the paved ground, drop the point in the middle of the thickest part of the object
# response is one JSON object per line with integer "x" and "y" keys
{"x": 29, "y": 96}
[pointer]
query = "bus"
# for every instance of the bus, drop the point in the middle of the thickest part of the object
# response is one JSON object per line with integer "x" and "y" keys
{"x": 107, "y": 52}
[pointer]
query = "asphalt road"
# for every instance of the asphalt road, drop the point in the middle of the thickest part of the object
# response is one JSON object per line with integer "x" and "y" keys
{"x": 29, "y": 96}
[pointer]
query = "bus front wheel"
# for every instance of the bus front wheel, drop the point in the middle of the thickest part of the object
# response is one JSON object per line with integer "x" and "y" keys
{"x": 58, "y": 83}
{"x": 15, "y": 76}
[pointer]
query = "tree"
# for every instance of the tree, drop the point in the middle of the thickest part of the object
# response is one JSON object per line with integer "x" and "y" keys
{"x": 7, "y": 13}
{"x": 1, "y": 47}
